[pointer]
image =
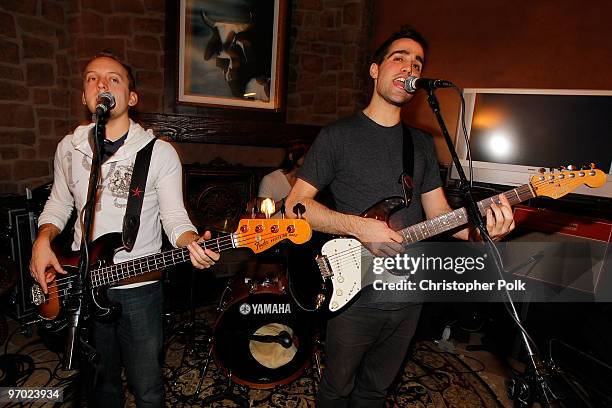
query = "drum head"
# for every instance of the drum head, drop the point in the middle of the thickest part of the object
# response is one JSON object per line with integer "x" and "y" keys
{"x": 270, "y": 353}
{"x": 262, "y": 341}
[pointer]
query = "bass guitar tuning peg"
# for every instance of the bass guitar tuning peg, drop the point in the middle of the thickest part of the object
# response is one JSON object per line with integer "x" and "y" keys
{"x": 299, "y": 209}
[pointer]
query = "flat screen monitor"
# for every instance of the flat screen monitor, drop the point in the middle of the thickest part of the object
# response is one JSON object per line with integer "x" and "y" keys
{"x": 515, "y": 132}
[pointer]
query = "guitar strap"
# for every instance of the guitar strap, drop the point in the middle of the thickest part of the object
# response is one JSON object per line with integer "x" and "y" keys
{"x": 408, "y": 164}
{"x": 131, "y": 219}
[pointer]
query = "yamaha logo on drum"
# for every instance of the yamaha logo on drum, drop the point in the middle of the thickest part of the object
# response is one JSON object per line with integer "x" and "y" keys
{"x": 265, "y": 308}
{"x": 245, "y": 309}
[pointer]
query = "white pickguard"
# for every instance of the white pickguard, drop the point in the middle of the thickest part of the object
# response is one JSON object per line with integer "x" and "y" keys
{"x": 345, "y": 257}
{"x": 349, "y": 264}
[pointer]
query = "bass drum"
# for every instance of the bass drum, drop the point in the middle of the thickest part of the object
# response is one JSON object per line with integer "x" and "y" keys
{"x": 260, "y": 338}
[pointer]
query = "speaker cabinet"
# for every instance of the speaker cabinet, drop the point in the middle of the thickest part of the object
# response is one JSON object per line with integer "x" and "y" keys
{"x": 19, "y": 232}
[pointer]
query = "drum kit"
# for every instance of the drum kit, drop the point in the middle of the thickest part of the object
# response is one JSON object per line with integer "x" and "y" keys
{"x": 262, "y": 338}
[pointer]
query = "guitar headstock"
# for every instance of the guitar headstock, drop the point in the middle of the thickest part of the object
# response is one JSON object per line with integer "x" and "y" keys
{"x": 559, "y": 183}
{"x": 261, "y": 234}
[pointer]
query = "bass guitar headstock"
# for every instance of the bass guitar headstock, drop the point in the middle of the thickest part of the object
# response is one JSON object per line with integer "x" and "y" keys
{"x": 261, "y": 234}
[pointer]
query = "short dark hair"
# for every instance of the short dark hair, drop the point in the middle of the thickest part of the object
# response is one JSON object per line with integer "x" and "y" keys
{"x": 293, "y": 155}
{"x": 405, "y": 31}
{"x": 128, "y": 69}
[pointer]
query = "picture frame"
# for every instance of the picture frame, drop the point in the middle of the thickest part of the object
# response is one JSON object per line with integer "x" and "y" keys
{"x": 231, "y": 53}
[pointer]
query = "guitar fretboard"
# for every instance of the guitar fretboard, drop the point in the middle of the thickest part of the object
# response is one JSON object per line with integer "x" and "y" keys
{"x": 109, "y": 275}
{"x": 459, "y": 217}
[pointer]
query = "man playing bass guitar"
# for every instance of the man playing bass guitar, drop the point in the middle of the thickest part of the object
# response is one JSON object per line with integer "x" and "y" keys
{"x": 136, "y": 338}
{"x": 360, "y": 159}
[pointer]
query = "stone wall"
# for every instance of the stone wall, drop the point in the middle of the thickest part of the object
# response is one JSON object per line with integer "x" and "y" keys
{"x": 44, "y": 45}
{"x": 328, "y": 59}
{"x": 34, "y": 78}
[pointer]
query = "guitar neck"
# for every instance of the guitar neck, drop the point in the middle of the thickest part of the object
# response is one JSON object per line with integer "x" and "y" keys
{"x": 112, "y": 274}
{"x": 459, "y": 217}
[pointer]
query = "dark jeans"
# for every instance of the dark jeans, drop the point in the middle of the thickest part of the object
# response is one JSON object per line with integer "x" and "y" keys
{"x": 364, "y": 349}
{"x": 135, "y": 340}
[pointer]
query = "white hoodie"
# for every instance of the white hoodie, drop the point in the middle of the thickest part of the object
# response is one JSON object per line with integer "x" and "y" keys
{"x": 163, "y": 198}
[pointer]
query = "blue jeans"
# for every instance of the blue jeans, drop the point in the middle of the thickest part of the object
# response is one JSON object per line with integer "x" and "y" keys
{"x": 135, "y": 340}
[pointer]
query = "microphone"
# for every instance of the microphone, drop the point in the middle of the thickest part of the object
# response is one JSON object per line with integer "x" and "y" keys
{"x": 413, "y": 83}
{"x": 105, "y": 103}
{"x": 283, "y": 338}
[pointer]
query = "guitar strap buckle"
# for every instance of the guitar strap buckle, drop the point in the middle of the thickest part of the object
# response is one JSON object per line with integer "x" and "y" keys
{"x": 407, "y": 187}
{"x": 407, "y": 164}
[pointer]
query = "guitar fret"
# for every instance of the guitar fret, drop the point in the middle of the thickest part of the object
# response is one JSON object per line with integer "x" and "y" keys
{"x": 409, "y": 230}
{"x": 412, "y": 231}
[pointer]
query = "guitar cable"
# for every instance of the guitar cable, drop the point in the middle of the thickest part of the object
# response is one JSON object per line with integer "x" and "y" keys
{"x": 295, "y": 299}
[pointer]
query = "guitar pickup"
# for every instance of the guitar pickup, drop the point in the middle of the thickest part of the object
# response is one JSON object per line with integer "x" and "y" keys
{"x": 324, "y": 266}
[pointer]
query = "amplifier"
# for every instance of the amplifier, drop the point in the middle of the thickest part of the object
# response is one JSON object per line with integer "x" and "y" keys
{"x": 18, "y": 232}
{"x": 570, "y": 251}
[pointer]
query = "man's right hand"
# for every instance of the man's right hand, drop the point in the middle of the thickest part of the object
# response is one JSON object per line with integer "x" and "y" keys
{"x": 44, "y": 264}
{"x": 378, "y": 237}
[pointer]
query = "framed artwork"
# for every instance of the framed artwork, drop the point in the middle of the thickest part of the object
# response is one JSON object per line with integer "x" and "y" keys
{"x": 231, "y": 53}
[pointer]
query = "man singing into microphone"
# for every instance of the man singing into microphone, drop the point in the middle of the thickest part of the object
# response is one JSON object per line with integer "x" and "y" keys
{"x": 135, "y": 340}
{"x": 361, "y": 159}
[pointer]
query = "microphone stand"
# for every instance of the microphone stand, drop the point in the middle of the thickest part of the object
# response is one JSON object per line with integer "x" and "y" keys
{"x": 75, "y": 308}
{"x": 537, "y": 373}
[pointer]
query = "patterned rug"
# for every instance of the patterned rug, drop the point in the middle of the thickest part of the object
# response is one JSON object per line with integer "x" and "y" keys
{"x": 431, "y": 378}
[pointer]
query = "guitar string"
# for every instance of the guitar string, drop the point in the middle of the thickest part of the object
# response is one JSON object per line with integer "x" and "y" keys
{"x": 103, "y": 273}
{"x": 350, "y": 253}
{"x": 56, "y": 295}
{"x": 242, "y": 239}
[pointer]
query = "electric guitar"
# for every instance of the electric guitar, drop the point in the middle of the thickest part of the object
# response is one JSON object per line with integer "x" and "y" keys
{"x": 340, "y": 260}
{"x": 256, "y": 234}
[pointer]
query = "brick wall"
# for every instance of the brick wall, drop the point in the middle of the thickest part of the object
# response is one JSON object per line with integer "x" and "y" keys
{"x": 44, "y": 45}
{"x": 328, "y": 59}
{"x": 133, "y": 30}
{"x": 33, "y": 83}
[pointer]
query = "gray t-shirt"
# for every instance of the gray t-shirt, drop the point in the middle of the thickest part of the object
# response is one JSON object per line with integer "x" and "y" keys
{"x": 361, "y": 162}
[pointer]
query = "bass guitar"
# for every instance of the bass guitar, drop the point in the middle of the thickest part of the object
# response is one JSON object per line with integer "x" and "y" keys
{"x": 255, "y": 234}
{"x": 340, "y": 260}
